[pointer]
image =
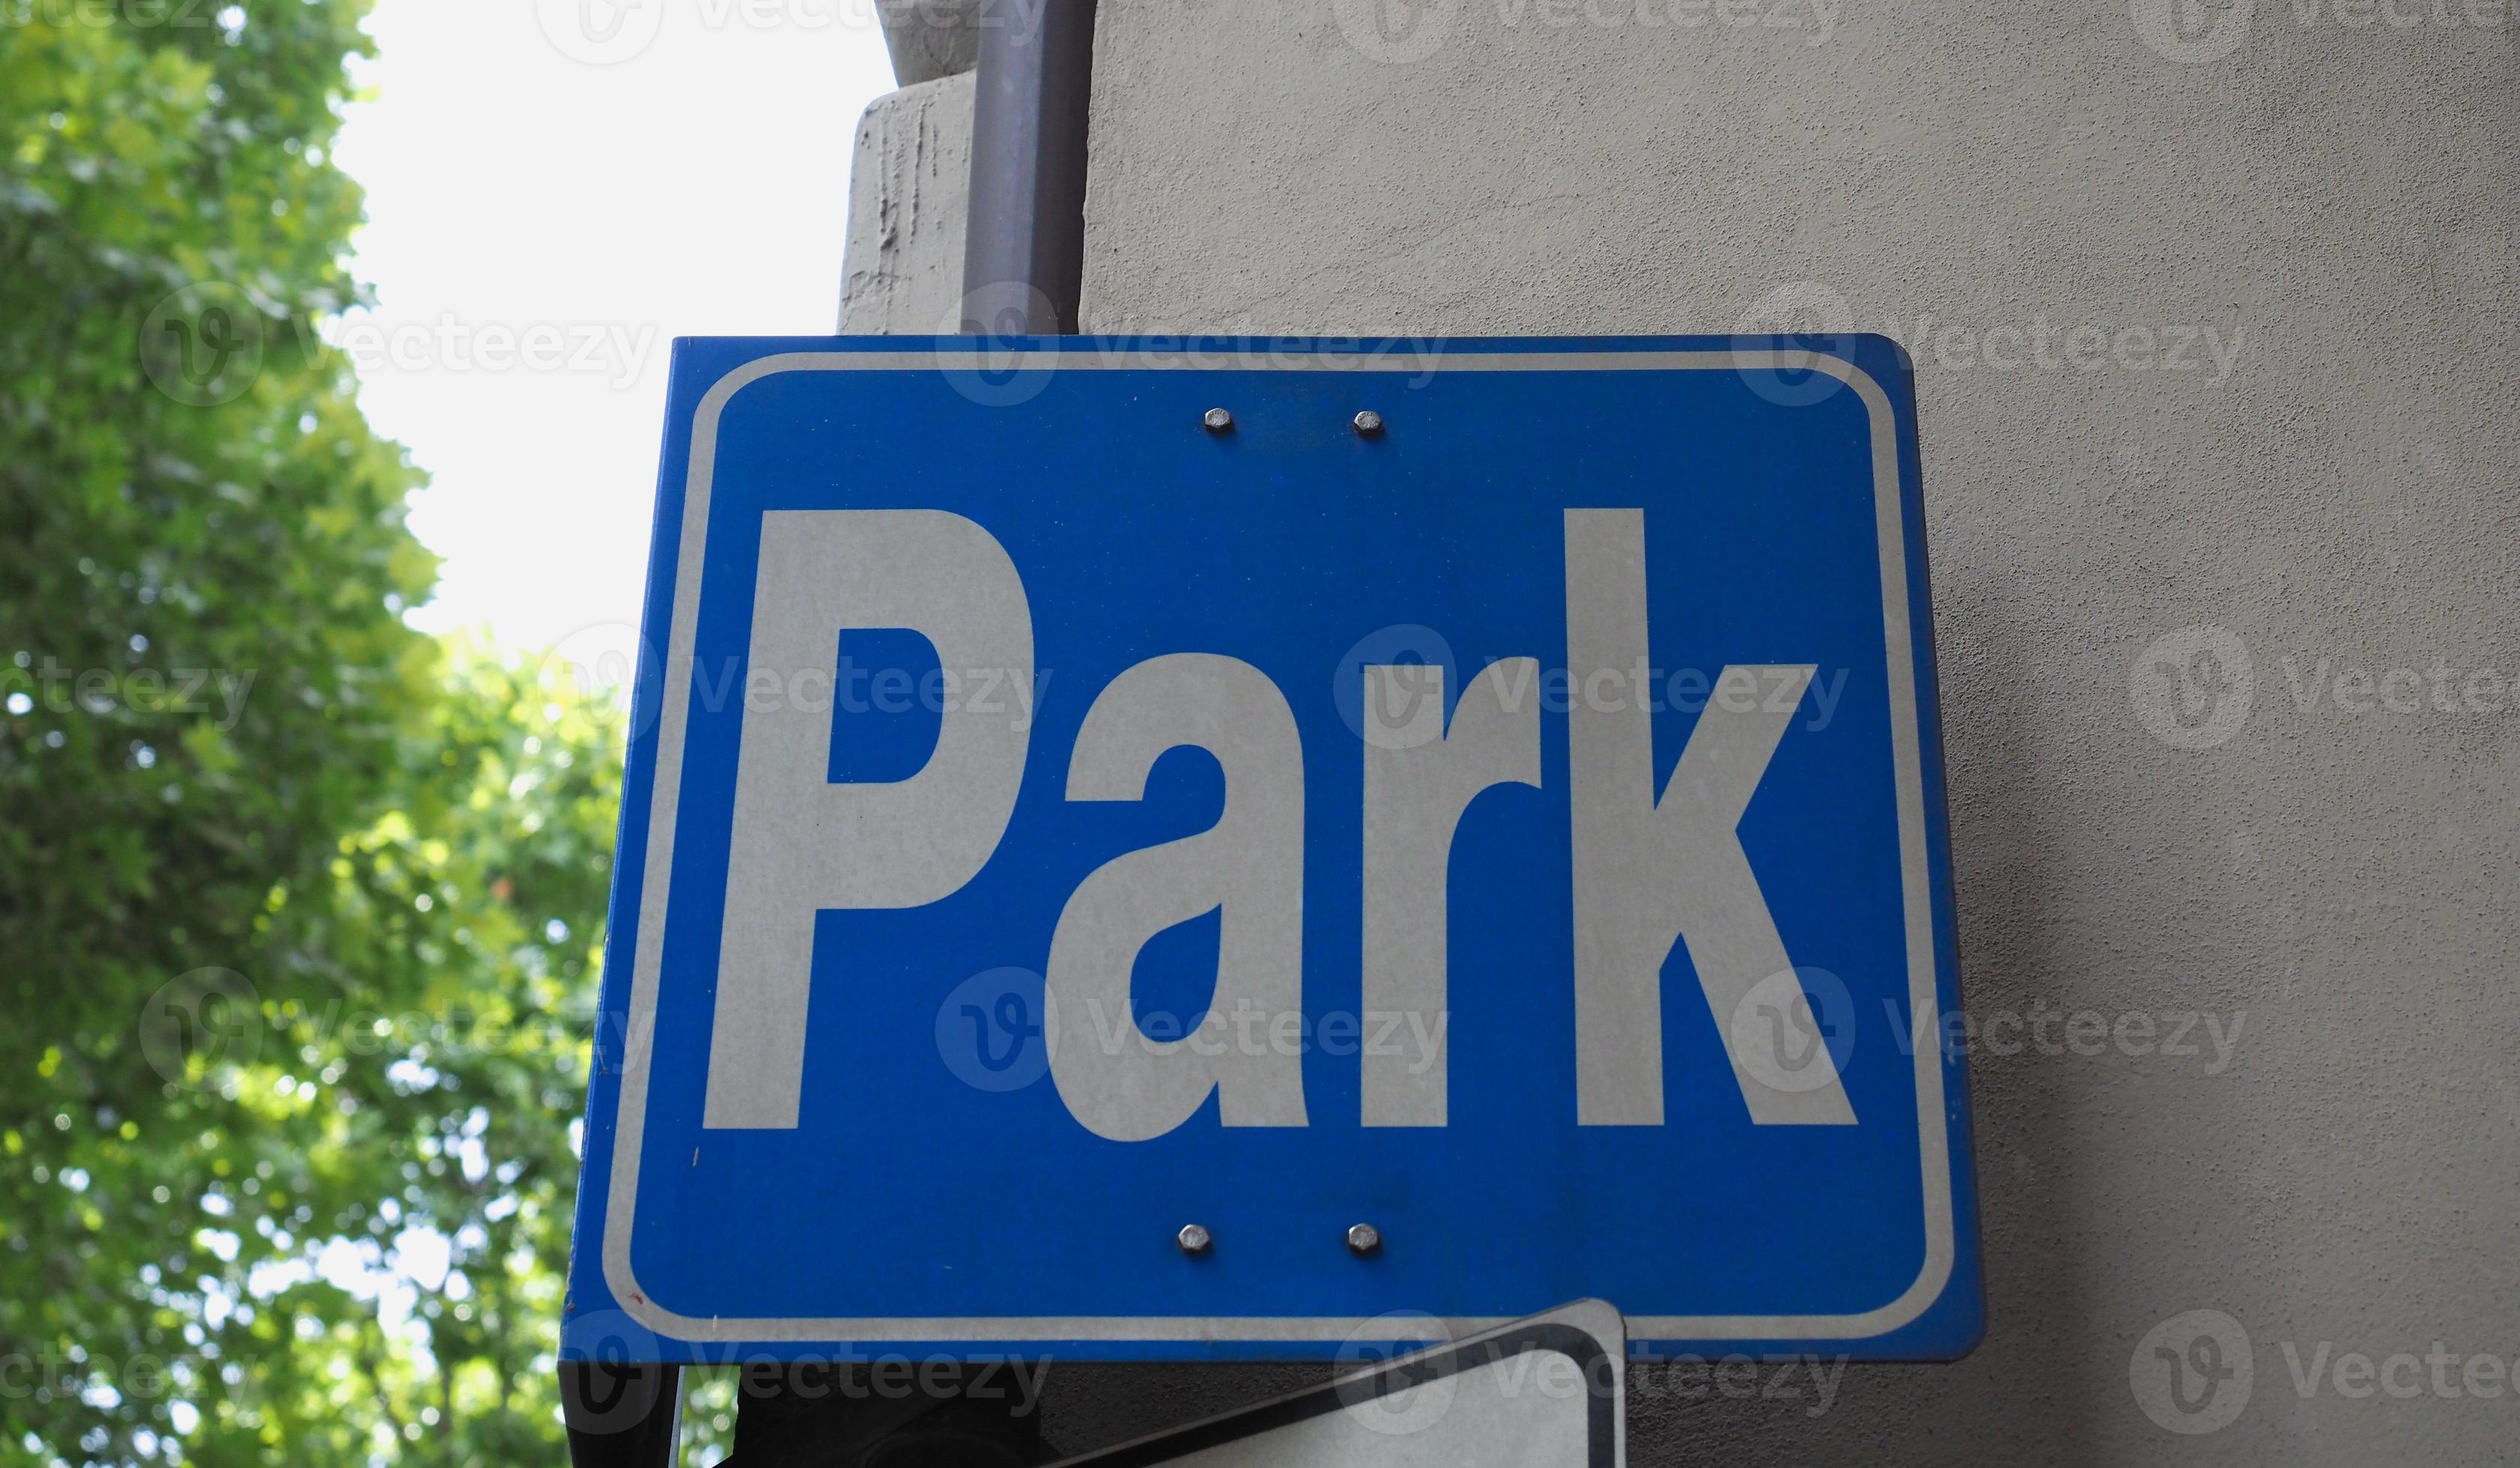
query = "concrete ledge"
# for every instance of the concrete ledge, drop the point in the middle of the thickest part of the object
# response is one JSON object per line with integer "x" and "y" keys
{"x": 909, "y": 186}
{"x": 931, "y": 39}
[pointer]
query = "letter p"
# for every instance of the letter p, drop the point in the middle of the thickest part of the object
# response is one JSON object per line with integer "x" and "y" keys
{"x": 802, "y": 843}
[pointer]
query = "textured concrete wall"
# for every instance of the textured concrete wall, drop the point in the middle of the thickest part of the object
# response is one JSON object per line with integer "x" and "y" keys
{"x": 930, "y": 39}
{"x": 909, "y": 189}
{"x": 2213, "y": 307}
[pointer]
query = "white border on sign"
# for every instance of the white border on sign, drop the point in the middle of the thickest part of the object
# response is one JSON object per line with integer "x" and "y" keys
{"x": 1916, "y": 885}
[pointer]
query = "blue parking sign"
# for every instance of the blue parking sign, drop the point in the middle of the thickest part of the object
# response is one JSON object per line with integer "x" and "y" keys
{"x": 1145, "y": 848}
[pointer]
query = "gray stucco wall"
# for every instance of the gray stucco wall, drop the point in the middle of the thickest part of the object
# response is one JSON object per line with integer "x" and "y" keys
{"x": 2211, "y": 312}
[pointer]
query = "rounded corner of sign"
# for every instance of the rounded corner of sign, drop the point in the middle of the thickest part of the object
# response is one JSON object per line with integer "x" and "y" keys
{"x": 713, "y": 402}
{"x": 1881, "y": 406}
{"x": 1949, "y": 1328}
{"x": 1932, "y": 1293}
{"x": 1968, "y": 1332}
{"x": 1875, "y": 344}
{"x": 629, "y": 1297}
{"x": 1598, "y": 1318}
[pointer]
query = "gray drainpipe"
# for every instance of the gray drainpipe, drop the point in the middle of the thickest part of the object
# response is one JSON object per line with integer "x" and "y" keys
{"x": 1024, "y": 260}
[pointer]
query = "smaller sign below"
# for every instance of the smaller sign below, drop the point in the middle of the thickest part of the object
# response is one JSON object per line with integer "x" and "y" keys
{"x": 1550, "y": 1392}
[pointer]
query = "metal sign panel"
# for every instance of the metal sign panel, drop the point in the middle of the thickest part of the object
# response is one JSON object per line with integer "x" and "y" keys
{"x": 1550, "y": 1392}
{"x": 1174, "y": 849}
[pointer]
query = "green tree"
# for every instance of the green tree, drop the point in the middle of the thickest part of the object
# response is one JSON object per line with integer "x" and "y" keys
{"x": 299, "y": 909}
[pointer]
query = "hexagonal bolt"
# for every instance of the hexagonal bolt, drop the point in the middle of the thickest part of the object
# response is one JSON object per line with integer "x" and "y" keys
{"x": 1218, "y": 421}
{"x": 1364, "y": 1239}
{"x": 1369, "y": 423}
{"x": 1195, "y": 1238}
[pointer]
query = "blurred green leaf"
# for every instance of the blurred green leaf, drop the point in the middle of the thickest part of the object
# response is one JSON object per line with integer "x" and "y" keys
{"x": 301, "y": 907}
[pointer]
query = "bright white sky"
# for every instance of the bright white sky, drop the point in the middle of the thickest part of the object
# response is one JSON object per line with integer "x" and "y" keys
{"x": 698, "y": 186}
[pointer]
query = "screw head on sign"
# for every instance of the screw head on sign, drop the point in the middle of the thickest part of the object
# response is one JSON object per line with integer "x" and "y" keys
{"x": 1363, "y": 1239}
{"x": 1369, "y": 424}
{"x": 1195, "y": 1238}
{"x": 1218, "y": 421}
